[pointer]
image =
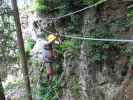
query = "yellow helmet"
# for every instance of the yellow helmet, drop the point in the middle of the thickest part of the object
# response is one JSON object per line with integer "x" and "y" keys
{"x": 51, "y": 38}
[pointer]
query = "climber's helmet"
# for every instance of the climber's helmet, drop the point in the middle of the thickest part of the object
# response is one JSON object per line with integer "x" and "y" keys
{"x": 51, "y": 38}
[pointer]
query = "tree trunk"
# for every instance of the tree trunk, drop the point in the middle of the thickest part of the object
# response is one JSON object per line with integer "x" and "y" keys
{"x": 2, "y": 95}
{"x": 22, "y": 51}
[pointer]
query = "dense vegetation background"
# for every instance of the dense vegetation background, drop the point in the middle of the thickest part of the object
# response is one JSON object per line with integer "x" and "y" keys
{"x": 85, "y": 70}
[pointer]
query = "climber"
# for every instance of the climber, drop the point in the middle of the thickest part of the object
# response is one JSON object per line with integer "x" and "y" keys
{"x": 49, "y": 56}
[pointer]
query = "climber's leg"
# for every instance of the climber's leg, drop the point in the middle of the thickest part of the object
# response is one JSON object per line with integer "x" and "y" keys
{"x": 50, "y": 72}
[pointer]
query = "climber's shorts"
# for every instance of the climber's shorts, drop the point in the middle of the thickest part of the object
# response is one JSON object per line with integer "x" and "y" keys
{"x": 47, "y": 65}
{"x": 49, "y": 68}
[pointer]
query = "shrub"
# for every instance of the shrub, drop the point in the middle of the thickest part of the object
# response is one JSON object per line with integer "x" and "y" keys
{"x": 39, "y": 6}
{"x": 29, "y": 45}
{"x": 130, "y": 12}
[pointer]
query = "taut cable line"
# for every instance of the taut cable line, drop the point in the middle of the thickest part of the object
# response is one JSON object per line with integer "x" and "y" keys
{"x": 78, "y": 11}
{"x": 91, "y": 39}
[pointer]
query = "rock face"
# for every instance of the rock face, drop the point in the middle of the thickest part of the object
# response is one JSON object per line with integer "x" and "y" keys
{"x": 103, "y": 80}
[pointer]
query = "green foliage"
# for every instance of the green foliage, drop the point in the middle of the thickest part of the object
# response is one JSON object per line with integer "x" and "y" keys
{"x": 14, "y": 85}
{"x": 128, "y": 52}
{"x": 131, "y": 61}
{"x": 97, "y": 50}
{"x": 71, "y": 5}
{"x": 50, "y": 92}
{"x": 101, "y": 51}
{"x": 75, "y": 86}
{"x": 67, "y": 44}
{"x": 7, "y": 44}
{"x": 39, "y": 6}
{"x": 130, "y": 12}
{"x": 29, "y": 45}
{"x": 89, "y": 1}
{"x": 41, "y": 89}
